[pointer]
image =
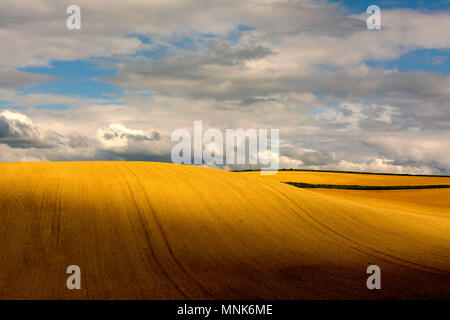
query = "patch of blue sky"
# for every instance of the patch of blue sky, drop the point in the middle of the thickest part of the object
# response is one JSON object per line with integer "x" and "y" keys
{"x": 360, "y": 6}
{"x": 208, "y": 35}
{"x": 183, "y": 42}
{"x": 157, "y": 52}
{"x": 73, "y": 70}
{"x": 141, "y": 37}
{"x": 88, "y": 89}
{"x": 430, "y": 60}
{"x": 235, "y": 35}
{"x": 79, "y": 78}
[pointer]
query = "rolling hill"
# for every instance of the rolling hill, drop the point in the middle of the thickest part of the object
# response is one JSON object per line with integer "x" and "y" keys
{"x": 162, "y": 231}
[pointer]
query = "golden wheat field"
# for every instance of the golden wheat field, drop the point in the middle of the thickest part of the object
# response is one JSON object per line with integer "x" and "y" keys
{"x": 162, "y": 231}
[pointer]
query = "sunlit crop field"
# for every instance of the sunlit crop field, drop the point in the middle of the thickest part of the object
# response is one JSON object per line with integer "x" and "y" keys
{"x": 162, "y": 231}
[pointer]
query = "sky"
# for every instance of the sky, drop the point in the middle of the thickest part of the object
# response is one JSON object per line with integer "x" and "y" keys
{"x": 343, "y": 97}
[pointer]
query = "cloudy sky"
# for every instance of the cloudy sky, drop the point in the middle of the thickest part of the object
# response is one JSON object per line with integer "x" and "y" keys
{"x": 343, "y": 97}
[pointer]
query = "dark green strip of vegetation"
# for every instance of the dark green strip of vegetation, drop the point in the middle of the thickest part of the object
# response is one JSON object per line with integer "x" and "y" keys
{"x": 356, "y": 187}
{"x": 353, "y": 172}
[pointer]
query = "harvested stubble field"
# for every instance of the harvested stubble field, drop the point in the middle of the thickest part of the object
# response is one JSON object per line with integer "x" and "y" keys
{"x": 164, "y": 231}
